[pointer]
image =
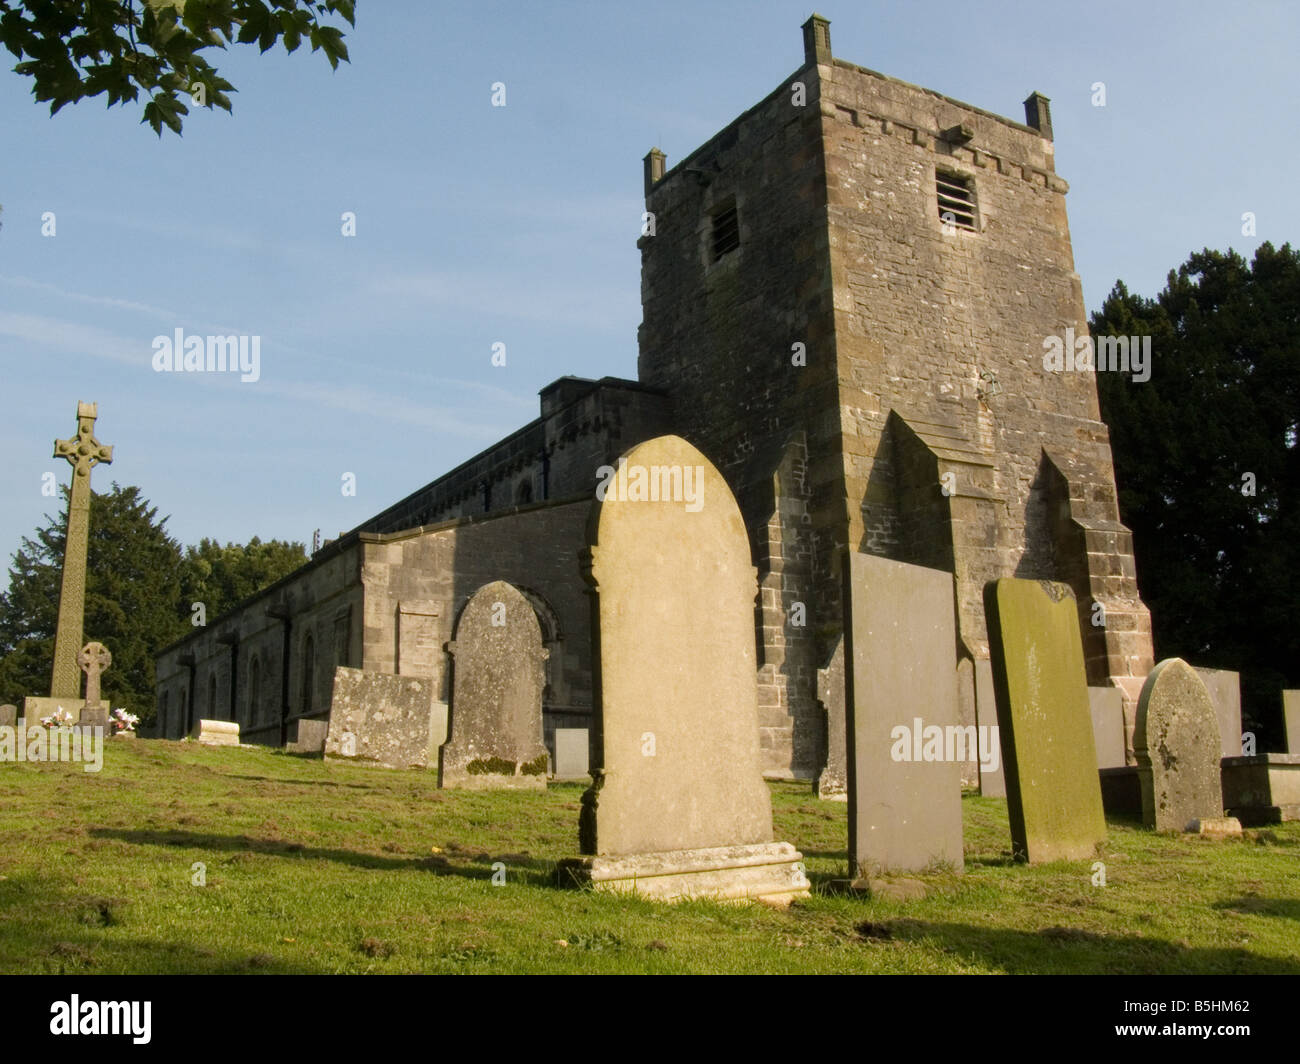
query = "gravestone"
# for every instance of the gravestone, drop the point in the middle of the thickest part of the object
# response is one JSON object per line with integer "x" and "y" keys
{"x": 216, "y": 732}
{"x": 382, "y": 719}
{"x": 83, "y": 452}
{"x": 993, "y": 783}
{"x": 678, "y": 807}
{"x": 307, "y": 736}
{"x": 1107, "y": 706}
{"x": 833, "y": 782}
{"x": 1291, "y": 720}
{"x": 1225, "y": 695}
{"x": 906, "y": 749}
{"x": 499, "y": 673}
{"x": 1176, "y": 741}
{"x": 572, "y": 747}
{"x": 8, "y": 716}
{"x": 94, "y": 659}
{"x": 1045, "y": 724}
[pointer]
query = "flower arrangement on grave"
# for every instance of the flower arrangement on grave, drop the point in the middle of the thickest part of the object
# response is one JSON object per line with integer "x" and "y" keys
{"x": 123, "y": 721}
{"x": 60, "y": 718}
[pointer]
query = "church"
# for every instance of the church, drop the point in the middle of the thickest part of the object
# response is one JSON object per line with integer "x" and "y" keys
{"x": 846, "y": 296}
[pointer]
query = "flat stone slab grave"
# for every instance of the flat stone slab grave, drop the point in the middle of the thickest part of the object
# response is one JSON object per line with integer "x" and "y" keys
{"x": 1048, "y": 751}
{"x": 678, "y": 807}
{"x": 906, "y": 749}
{"x": 216, "y": 732}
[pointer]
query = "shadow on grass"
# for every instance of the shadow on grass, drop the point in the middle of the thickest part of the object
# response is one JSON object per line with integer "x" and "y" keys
{"x": 467, "y": 864}
{"x": 1287, "y": 908}
{"x": 303, "y": 783}
{"x": 1073, "y": 950}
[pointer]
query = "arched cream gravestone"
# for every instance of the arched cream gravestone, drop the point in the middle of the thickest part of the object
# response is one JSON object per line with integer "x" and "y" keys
{"x": 1176, "y": 741}
{"x": 678, "y": 806}
{"x": 498, "y": 675}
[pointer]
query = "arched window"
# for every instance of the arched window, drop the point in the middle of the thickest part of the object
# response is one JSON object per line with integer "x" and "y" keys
{"x": 308, "y": 675}
{"x": 524, "y": 493}
{"x": 184, "y": 713}
{"x": 212, "y": 695}
{"x": 255, "y": 690}
{"x": 162, "y": 715}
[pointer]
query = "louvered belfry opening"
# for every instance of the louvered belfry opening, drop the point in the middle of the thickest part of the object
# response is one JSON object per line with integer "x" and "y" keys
{"x": 726, "y": 231}
{"x": 956, "y": 197}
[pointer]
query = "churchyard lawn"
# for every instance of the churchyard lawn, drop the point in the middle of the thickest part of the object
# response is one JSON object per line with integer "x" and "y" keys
{"x": 316, "y": 868}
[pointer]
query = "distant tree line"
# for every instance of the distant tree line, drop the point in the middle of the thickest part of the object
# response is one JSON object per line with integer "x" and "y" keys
{"x": 141, "y": 586}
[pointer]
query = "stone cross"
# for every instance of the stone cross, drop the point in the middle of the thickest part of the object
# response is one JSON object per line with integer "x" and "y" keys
{"x": 94, "y": 658}
{"x": 83, "y": 452}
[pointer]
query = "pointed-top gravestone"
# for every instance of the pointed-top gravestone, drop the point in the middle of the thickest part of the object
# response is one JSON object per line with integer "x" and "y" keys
{"x": 1176, "y": 740}
{"x": 83, "y": 452}
{"x": 1044, "y": 719}
{"x": 678, "y": 806}
{"x": 495, "y": 736}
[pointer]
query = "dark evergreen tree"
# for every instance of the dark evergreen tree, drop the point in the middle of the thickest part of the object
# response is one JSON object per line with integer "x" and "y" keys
{"x": 1207, "y": 465}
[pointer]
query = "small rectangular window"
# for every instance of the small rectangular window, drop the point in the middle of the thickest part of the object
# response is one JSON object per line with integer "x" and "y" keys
{"x": 956, "y": 199}
{"x": 726, "y": 232}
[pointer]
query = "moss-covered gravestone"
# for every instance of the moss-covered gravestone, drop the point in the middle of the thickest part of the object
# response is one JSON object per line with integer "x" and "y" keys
{"x": 1044, "y": 720}
{"x": 677, "y": 807}
{"x": 1176, "y": 740}
{"x": 498, "y": 675}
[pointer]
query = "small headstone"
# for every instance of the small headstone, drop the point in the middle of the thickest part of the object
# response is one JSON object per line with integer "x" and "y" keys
{"x": 381, "y": 718}
{"x": 571, "y": 753}
{"x": 993, "y": 782}
{"x": 1107, "y": 705}
{"x": 8, "y": 716}
{"x": 1225, "y": 695}
{"x": 93, "y": 659}
{"x": 216, "y": 732}
{"x": 307, "y": 736}
{"x": 833, "y": 782}
{"x": 1291, "y": 720}
{"x": 1176, "y": 743}
{"x": 906, "y": 749}
{"x": 495, "y": 737}
{"x": 1044, "y": 720}
{"x": 678, "y": 807}
{"x": 1222, "y": 827}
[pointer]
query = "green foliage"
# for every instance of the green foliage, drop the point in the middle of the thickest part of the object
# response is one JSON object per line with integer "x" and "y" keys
{"x": 73, "y": 50}
{"x": 140, "y": 589}
{"x": 132, "y": 582}
{"x": 222, "y": 577}
{"x": 1219, "y": 568}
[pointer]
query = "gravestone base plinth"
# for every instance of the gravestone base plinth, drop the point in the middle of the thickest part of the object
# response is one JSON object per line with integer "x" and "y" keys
{"x": 769, "y": 872}
{"x": 508, "y": 775}
{"x": 34, "y": 708}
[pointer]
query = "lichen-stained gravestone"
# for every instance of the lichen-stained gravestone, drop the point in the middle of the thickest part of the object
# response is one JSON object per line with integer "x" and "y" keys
{"x": 904, "y": 767}
{"x": 498, "y": 676}
{"x": 677, "y": 807}
{"x": 381, "y": 718}
{"x": 1045, "y": 722}
{"x": 1176, "y": 740}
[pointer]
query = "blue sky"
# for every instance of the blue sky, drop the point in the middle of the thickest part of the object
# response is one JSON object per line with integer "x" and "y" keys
{"x": 479, "y": 225}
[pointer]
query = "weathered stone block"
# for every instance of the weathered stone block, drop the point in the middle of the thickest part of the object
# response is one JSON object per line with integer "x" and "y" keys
{"x": 572, "y": 747}
{"x": 1225, "y": 695}
{"x": 1107, "y": 707}
{"x": 216, "y": 732}
{"x": 381, "y": 718}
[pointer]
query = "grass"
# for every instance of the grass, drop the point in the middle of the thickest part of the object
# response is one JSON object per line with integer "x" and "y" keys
{"x": 317, "y": 868}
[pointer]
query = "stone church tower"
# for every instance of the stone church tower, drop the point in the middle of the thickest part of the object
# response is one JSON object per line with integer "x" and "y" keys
{"x": 846, "y": 295}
